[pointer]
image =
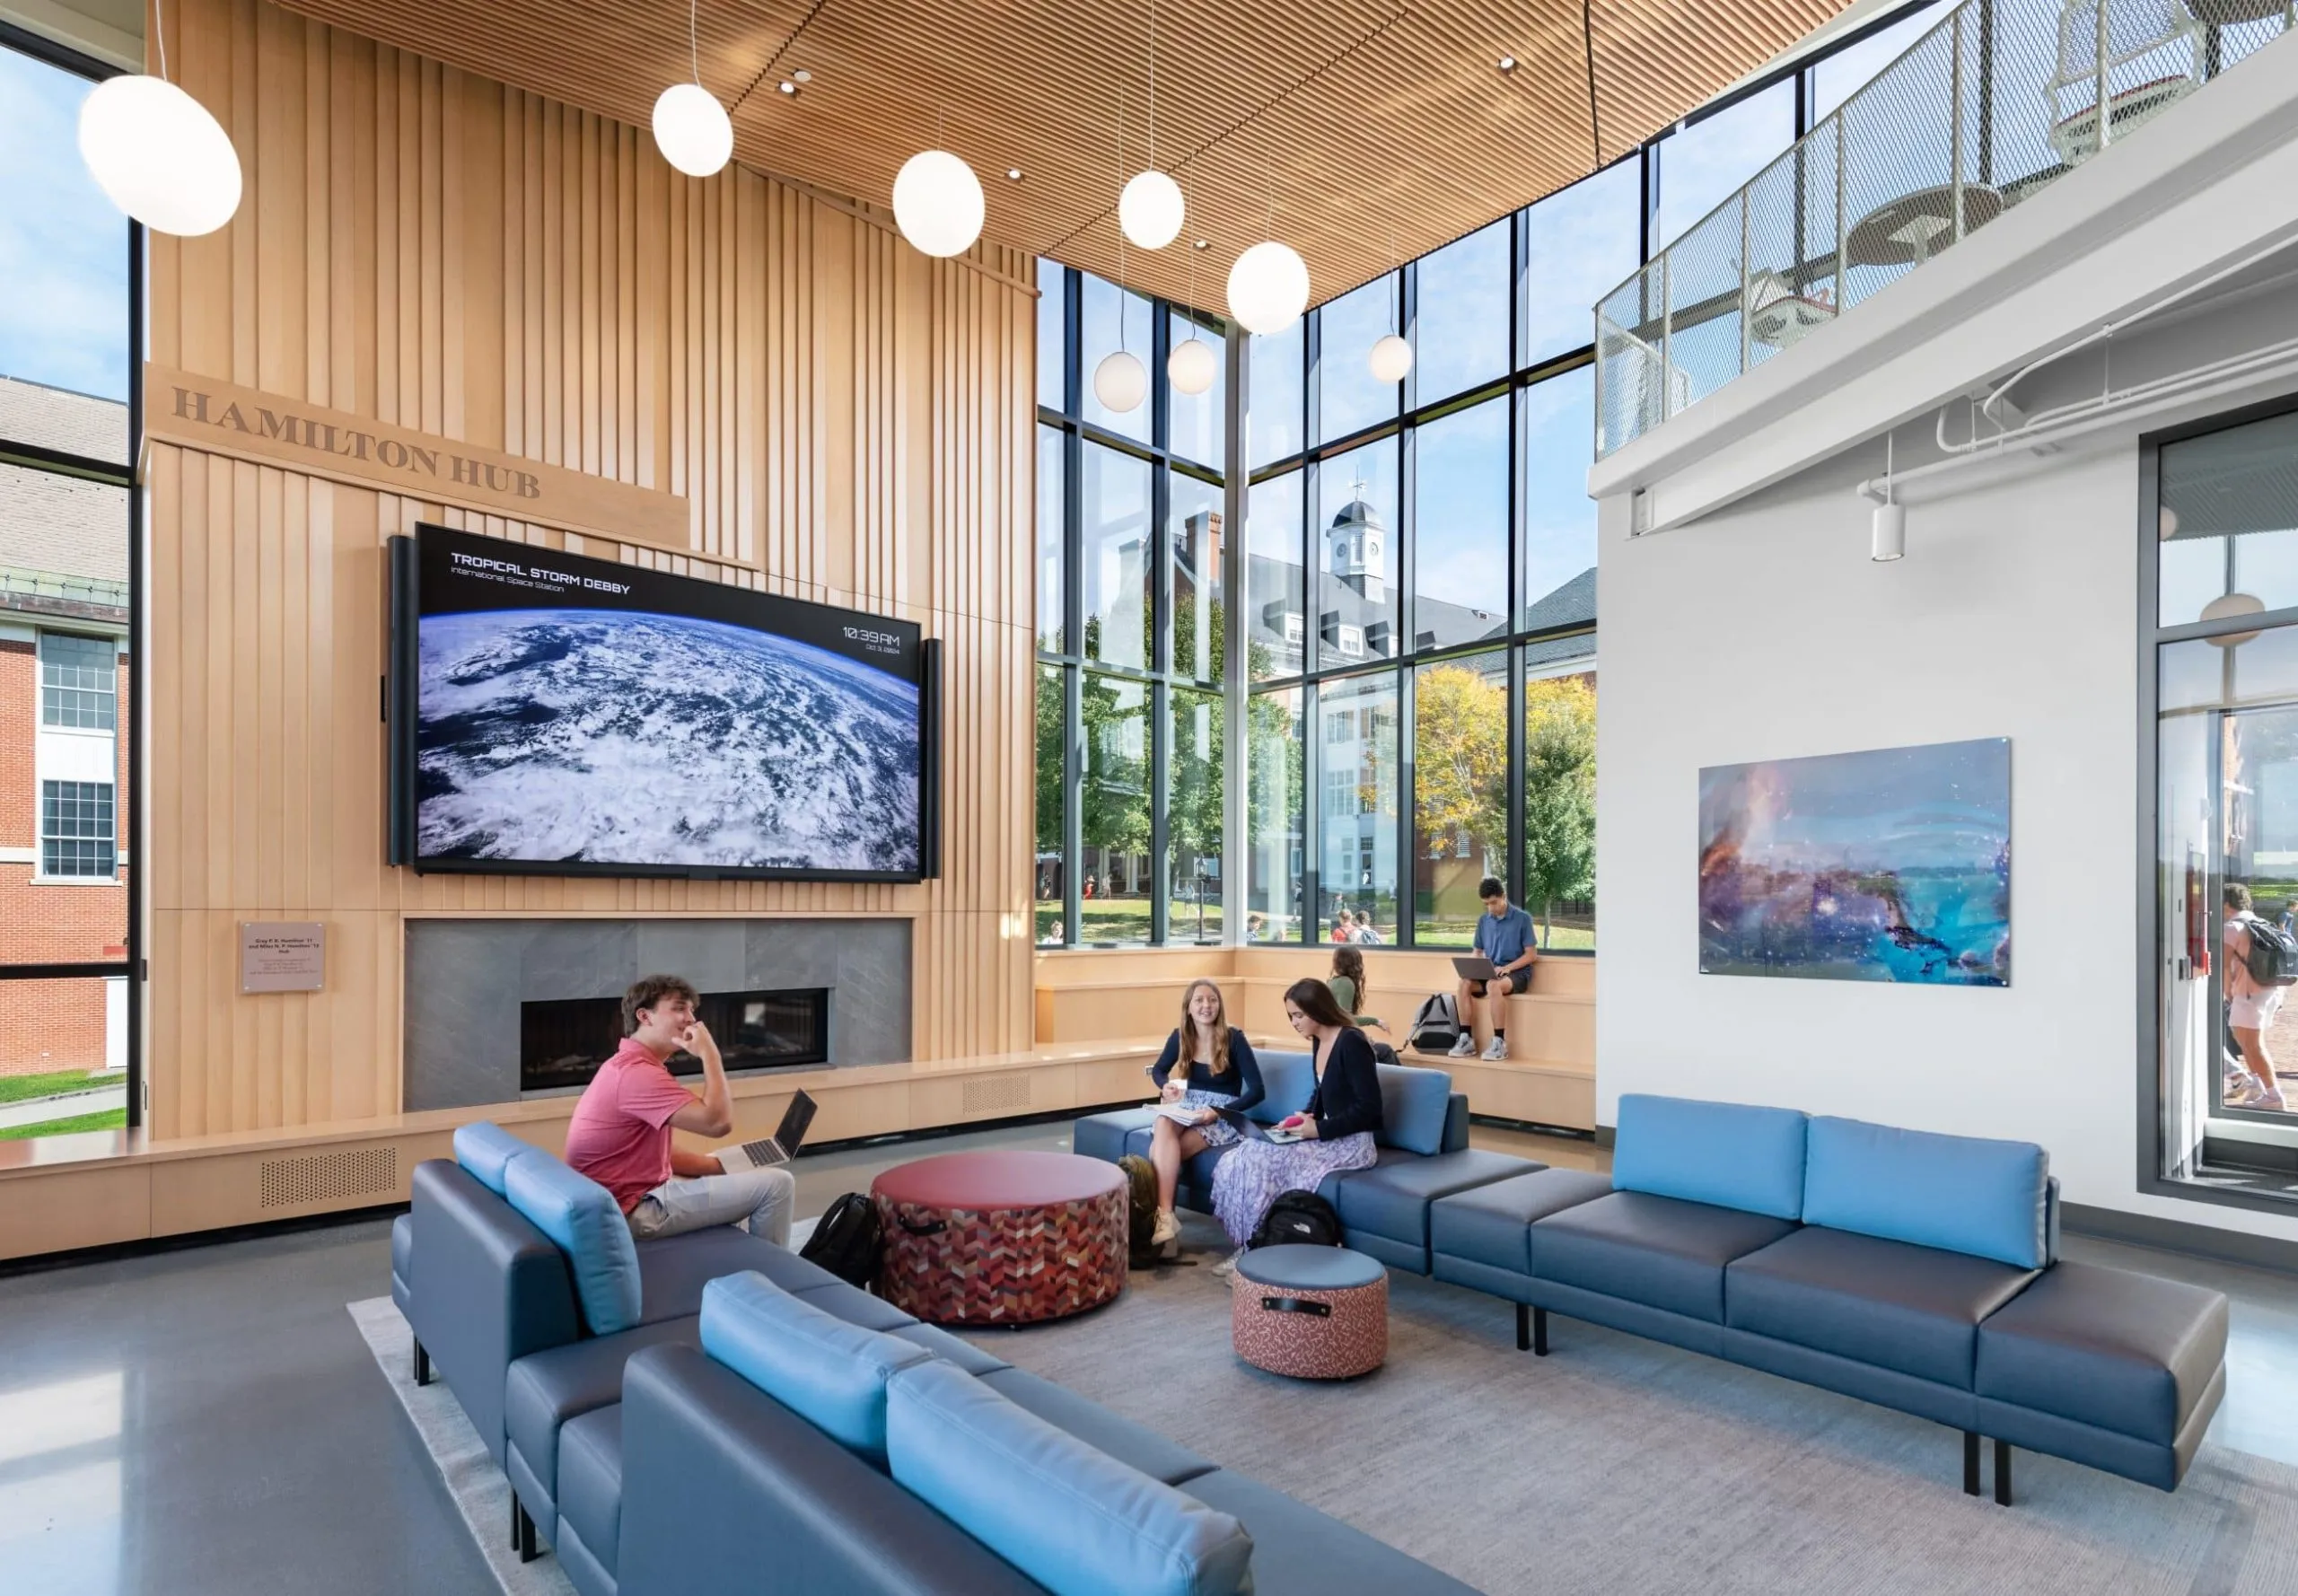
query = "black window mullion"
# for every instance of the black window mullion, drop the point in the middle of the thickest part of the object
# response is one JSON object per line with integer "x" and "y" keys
{"x": 1160, "y": 704}
{"x": 1072, "y": 808}
{"x": 1407, "y": 854}
{"x": 1313, "y": 812}
{"x": 1513, "y": 868}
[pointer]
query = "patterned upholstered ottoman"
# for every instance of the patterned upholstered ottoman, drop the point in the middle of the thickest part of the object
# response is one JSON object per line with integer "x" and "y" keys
{"x": 1312, "y": 1312}
{"x": 1001, "y": 1238}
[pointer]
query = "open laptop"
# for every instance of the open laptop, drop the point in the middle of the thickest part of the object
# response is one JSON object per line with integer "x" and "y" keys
{"x": 780, "y": 1148}
{"x": 1475, "y": 967}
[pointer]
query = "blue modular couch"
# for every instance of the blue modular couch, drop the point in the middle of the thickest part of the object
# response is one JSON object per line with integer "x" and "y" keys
{"x": 665, "y": 1433}
{"x": 1423, "y": 1155}
{"x": 1916, "y": 1271}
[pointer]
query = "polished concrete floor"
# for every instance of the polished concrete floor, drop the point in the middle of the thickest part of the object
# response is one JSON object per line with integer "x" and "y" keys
{"x": 208, "y": 1422}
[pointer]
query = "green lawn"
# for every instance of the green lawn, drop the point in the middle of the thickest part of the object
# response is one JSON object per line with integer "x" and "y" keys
{"x": 111, "y": 1119}
{"x": 1124, "y": 921}
{"x": 15, "y": 1089}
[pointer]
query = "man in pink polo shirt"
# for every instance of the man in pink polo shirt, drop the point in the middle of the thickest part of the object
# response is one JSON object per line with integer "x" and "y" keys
{"x": 620, "y": 1136}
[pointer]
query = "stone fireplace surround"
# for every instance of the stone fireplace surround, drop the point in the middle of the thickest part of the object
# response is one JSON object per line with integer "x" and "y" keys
{"x": 467, "y": 977}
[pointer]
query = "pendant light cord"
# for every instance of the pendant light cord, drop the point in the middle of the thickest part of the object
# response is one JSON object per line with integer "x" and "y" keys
{"x": 693, "y": 46}
{"x": 1153, "y": 86}
{"x": 1120, "y": 230}
{"x": 159, "y": 34}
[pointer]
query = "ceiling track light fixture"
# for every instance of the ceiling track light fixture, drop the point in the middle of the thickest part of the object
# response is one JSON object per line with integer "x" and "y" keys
{"x": 937, "y": 202}
{"x": 1150, "y": 209}
{"x": 1192, "y": 366}
{"x": 692, "y": 129}
{"x": 1120, "y": 382}
{"x": 1268, "y": 283}
{"x": 157, "y": 154}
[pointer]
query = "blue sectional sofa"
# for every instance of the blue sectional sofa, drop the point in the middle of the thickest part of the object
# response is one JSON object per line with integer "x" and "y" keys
{"x": 1423, "y": 1155}
{"x": 1916, "y": 1271}
{"x": 713, "y": 1411}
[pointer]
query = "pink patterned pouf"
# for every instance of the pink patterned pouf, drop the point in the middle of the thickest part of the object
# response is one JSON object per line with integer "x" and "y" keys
{"x": 1001, "y": 1238}
{"x": 1311, "y": 1312}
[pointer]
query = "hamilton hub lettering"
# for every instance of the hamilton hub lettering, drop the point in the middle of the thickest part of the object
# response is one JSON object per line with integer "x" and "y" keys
{"x": 351, "y": 443}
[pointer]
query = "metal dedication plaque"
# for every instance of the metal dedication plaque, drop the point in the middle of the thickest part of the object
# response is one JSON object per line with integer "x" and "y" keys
{"x": 283, "y": 955}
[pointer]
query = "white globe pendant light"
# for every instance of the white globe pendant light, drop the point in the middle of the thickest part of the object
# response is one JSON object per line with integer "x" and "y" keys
{"x": 159, "y": 155}
{"x": 1390, "y": 359}
{"x": 1120, "y": 383}
{"x": 690, "y": 127}
{"x": 1192, "y": 366}
{"x": 692, "y": 130}
{"x": 937, "y": 203}
{"x": 1150, "y": 210}
{"x": 1268, "y": 287}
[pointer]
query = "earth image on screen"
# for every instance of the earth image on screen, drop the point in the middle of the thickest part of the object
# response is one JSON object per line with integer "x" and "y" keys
{"x": 609, "y": 737}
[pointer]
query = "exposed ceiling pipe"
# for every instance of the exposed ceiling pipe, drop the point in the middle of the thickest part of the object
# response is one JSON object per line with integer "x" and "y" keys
{"x": 2201, "y": 386}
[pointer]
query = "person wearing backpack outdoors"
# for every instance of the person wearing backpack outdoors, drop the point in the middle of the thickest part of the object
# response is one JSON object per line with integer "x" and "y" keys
{"x": 2261, "y": 966}
{"x": 1207, "y": 1066}
{"x": 1336, "y": 1129}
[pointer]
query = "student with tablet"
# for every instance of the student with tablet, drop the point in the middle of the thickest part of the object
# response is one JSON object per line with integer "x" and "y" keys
{"x": 1335, "y": 1132}
{"x": 1503, "y": 965}
{"x": 1207, "y": 1068}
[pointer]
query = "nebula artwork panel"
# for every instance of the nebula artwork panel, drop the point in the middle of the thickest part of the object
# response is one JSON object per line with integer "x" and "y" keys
{"x": 1887, "y": 865}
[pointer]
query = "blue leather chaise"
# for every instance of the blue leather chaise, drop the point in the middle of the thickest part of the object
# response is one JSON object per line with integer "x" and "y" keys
{"x": 1423, "y": 1155}
{"x": 1916, "y": 1271}
{"x": 712, "y": 1410}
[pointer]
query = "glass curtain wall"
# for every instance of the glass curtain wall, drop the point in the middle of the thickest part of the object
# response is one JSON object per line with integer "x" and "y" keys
{"x": 1131, "y": 619}
{"x": 1423, "y": 589}
{"x": 1418, "y": 570}
{"x": 67, "y": 575}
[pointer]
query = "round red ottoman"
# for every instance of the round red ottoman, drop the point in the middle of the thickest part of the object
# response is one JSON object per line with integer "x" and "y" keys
{"x": 1311, "y": 1312}
{"x": 1001, "y": 1238}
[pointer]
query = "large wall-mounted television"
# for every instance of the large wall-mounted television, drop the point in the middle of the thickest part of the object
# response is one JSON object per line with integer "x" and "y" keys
{"x": 555, "y": 715}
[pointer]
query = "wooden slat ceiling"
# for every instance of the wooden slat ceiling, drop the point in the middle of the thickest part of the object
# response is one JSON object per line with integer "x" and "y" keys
{"x": 1381, "y": 130}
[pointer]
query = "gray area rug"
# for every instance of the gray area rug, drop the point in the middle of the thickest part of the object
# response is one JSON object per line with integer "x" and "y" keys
{"x": 481, "y": 1491}
{"x": 1615, "y": 1464}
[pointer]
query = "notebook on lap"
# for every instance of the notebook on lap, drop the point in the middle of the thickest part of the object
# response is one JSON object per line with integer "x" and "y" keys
{"x": 780, "y": 1148}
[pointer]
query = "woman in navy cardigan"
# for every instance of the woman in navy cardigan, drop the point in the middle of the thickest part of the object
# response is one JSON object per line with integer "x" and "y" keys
{"x": 1337, "y": 1128}
{"x": 1205, "y": 1066}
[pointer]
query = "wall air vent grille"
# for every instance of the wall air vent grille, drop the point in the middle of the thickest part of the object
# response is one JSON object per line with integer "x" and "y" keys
{"x": 994, "y": 1094}
{"x": 328, "y": 1177}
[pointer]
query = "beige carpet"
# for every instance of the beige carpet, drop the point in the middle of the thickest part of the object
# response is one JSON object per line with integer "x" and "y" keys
{"x": 1617, "y": 1465}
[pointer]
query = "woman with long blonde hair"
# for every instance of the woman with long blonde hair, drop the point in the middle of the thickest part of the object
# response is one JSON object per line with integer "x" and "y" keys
{"x": 1207, "y": 1066}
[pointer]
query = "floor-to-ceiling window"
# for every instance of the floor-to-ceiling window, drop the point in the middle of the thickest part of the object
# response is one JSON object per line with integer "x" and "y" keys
{"x": 1131, "y": 626}
{"x": 67, "y": 258}
{"x": 1417, "y": 573}
{"x": 2222, "y": 565}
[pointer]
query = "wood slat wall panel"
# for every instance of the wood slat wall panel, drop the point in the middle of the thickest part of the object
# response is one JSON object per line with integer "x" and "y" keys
{"x": 847, "y": 421}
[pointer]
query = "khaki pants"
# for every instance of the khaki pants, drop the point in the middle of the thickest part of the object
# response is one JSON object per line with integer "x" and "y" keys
{"x": 762, "y": 1198}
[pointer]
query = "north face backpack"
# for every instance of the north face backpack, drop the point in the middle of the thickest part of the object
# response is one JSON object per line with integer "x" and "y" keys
{"x": 1298, "y": 1219}
{"x": 1436, "y": 1024}
{"x": 2273, "y": 959}
{"x": 846, "y": 1240}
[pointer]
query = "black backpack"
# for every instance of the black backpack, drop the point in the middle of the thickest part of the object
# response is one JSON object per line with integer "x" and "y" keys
{"x": 1298, "y": 1219}
{"x": 2273, "y": 960}
{"x": 1435, "y": 1025}
{"x": 846, "y": 1241}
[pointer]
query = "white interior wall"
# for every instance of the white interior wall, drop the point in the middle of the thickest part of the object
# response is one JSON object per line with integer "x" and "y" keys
{"x": 1764, "y": 632}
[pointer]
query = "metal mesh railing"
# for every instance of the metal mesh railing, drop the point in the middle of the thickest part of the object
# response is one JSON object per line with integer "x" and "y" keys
{"x": 1992, "y": 105}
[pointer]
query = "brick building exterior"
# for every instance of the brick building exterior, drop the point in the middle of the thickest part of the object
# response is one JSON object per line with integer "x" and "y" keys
{"x": 64, "y": 720}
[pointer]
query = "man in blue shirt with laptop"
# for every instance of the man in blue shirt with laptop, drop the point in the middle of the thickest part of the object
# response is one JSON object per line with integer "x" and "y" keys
{"x": 1503, "y": 935}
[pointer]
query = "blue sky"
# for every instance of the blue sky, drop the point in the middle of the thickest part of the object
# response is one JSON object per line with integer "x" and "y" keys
{"x": 62, "y": 248}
